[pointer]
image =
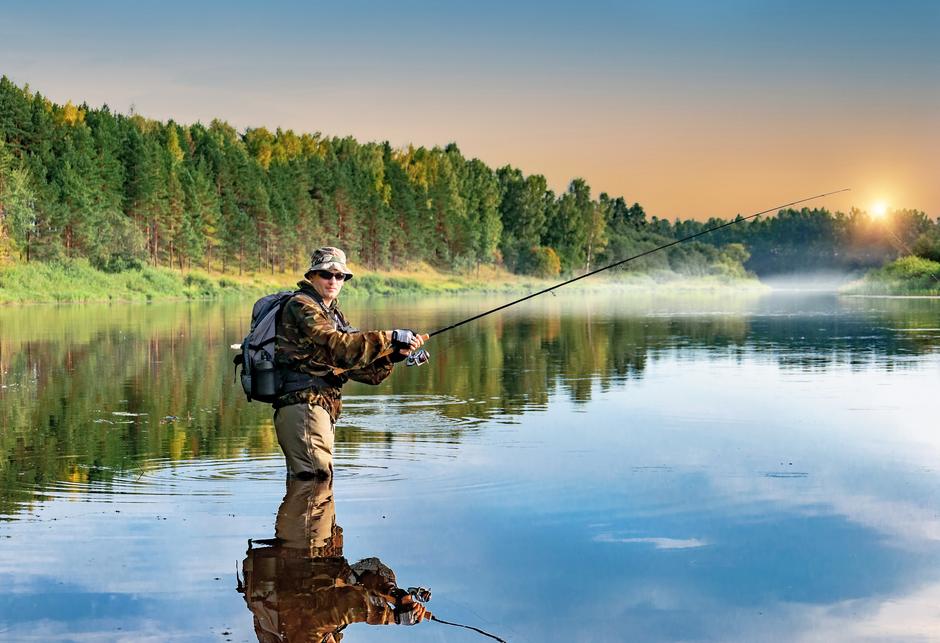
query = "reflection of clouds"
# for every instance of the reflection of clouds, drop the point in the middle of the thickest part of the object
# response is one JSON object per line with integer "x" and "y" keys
{"x": 658, "y": 543}
{"x": 910, "y": 617}
{"x": 125, "y": 630}
{"x": 877, "y": 469}
{"x": 913, "y": 617}
{"x": 654, "y": 611}
{"x": 908, "y": 524}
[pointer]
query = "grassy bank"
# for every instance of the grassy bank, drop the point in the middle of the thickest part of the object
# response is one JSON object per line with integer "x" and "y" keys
{"x": 906, "y": 276}
{"x": 78, "y": 281}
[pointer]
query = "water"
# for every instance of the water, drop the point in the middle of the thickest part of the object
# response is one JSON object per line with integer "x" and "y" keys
{"x": 600, "y": 467}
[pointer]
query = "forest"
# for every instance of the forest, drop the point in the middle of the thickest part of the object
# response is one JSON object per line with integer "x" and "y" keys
{"x": 123, "y": 191}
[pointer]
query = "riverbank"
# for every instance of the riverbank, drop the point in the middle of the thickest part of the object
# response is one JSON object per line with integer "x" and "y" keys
{"x": 905, "y": 276}
{"x": 79, "y": 282}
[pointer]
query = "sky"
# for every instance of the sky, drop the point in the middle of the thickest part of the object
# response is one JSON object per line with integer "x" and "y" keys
{"x": 693, "y": 109}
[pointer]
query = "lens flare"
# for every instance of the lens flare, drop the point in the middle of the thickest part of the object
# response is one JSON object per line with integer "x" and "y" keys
{"x": 879, "y": 209}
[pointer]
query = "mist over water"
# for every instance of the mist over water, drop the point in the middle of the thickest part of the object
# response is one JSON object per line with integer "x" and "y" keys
{"x": 591, "y": 466}
{"x": 813, "y": 282}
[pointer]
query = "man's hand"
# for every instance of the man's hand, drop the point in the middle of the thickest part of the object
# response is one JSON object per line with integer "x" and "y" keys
{"x": 410, "y": 612}
{"x": 404, "y": 341}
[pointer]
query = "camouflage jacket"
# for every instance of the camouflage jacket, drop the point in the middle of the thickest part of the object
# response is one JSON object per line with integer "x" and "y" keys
{"x": 317, "y": 340}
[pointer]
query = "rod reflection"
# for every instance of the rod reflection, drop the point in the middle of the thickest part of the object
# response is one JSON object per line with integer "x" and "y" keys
{"x": 299, "y": 585}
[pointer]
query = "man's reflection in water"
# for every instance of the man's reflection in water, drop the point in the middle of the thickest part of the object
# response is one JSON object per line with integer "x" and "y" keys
{"x": 300, "y": 587}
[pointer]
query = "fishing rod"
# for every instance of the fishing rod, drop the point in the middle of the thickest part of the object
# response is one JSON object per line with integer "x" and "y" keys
{"x": 421, "y": 356}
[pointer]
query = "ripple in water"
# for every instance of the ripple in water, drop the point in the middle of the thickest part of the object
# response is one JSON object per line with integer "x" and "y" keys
{"x": 397, "y": 438}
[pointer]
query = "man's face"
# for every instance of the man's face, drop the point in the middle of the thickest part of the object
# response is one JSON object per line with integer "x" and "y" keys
{"x": 327, "y": 283}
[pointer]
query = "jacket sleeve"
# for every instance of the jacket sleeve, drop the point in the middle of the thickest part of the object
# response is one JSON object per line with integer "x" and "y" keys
{"x": 331, "y": 347}
{"x": 374, "y": 373}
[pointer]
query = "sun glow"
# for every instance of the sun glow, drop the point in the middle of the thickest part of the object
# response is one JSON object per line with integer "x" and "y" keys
{"x": 879, "y": 209}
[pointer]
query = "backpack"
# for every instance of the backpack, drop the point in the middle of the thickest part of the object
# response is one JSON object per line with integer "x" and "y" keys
{"x": 260, "y": 378}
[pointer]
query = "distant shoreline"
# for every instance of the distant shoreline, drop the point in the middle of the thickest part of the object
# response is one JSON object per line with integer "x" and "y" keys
{"x": 79, "y": 282}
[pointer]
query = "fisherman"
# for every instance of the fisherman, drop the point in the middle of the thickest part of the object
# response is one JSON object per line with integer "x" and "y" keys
{"x": 319, "y": 351}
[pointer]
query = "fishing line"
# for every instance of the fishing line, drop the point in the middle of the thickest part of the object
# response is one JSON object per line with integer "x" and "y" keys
{"x": 469, "y": 627}
{"x": 634, "y": 257}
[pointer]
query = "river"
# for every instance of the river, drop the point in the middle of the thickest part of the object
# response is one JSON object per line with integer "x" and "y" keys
{"x": 608, "y": 466}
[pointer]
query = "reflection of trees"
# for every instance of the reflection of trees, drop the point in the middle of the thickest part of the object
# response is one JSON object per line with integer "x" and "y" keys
{"x": 67, "y": 370}
{"x": 516, "y": 361}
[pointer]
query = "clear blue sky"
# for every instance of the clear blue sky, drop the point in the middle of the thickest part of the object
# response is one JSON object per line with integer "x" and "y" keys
{"x": 690, "y": 108}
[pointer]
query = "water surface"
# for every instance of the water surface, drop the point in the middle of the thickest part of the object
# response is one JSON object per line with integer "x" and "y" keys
{"x": 598, "y": 467}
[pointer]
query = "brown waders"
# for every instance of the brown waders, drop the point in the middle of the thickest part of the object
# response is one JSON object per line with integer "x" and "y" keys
{"x": 305, "y": 432}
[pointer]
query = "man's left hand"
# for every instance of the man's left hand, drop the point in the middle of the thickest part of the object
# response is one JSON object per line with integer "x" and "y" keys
{"x": 414, "y": 341}
{"x": 410, "y": 612}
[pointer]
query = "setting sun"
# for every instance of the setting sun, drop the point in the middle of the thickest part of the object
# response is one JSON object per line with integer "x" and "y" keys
{"x": 879, "y": 209}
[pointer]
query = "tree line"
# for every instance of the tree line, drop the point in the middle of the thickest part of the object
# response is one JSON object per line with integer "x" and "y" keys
{"x": 123, "y": 190}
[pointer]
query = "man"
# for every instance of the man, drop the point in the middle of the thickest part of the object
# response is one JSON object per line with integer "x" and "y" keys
{"x": 319, "y": 352}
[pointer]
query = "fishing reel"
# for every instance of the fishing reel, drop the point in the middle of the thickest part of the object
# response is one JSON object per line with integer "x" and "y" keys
{"x": 420, "y": 594}
{"x": 418, "y": 358}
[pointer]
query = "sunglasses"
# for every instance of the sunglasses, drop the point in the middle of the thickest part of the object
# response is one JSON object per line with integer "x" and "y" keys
{"x": 326, "y": 275}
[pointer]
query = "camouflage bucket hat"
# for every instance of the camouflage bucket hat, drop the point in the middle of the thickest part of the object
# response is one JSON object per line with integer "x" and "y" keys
{"x": 329, "y": 258}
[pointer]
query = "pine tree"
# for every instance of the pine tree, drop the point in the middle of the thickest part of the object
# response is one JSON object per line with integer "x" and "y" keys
{"x": 17, "y": 199}
{"x": 524, "y": 206}
{"x": 482, "y": 195}
{"x": 571, "y": 225}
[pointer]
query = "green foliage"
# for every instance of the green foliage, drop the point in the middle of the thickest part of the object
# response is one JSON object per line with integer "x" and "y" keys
{"x": 569, "y": 226}
{"x": 730, "y": 261}
{"x": 544, "y": 262}
{"x": 17, "y": 202}
{"x": 910, "y": 275}
{"x": 927, "y": 245}
{"x": 524, "y": 206}
{"x": 77, "y": 280}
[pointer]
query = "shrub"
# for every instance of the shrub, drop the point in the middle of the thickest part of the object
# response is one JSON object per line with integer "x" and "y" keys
{"x": 907, "y": 275}
{"x": 913, "y": 267}
{"x": 119, "y": 263}
{"x": 545, "y": 262}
